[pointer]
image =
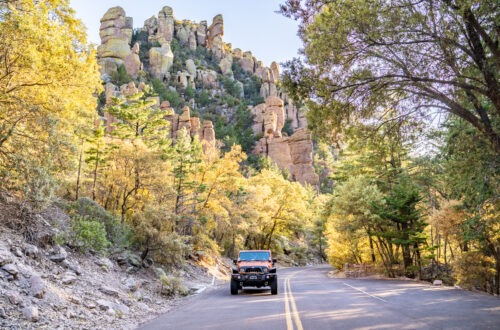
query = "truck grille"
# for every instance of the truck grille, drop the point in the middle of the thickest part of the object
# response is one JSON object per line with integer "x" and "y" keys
{"x": 252, "y": 270}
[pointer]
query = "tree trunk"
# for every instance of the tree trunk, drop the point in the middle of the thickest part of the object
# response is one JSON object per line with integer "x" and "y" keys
{"x": 372, "y": 250}
{"x": 79, "y": 173}
{"x": 94, "y": 183}
{"x": 497, "y": 274}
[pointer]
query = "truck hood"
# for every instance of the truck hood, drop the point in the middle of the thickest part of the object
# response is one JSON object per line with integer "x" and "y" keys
{"x": 254, "y": 263}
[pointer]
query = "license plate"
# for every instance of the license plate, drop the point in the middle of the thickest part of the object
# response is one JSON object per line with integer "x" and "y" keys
{"x": 253, "y": 277}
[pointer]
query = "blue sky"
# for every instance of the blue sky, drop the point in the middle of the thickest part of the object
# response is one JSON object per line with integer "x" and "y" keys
{"x": 248, "y": 25}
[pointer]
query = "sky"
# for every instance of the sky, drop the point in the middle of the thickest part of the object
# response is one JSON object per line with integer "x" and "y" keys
{"x": 249, "y": 25}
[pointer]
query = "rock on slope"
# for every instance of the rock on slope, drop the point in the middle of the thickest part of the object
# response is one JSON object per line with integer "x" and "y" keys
{"x": 47, "y": 286}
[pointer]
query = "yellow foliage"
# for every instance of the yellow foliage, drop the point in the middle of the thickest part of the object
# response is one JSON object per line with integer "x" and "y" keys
{"x": 346, "y": 246}
{"x": 474, "y": 270}
{"x": 48, "y": 81}
{"x": 448, "y": 218}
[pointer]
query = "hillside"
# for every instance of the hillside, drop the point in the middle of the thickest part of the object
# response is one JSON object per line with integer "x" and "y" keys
{"x": 200, "y": 79}
{"x": 47, "y": 286}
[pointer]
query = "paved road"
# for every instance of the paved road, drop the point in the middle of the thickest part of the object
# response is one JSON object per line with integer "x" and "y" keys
{"x": 309, "y": 299}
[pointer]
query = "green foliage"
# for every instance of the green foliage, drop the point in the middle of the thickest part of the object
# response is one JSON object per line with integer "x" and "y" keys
{"x": 252, "y": 87}
{"x": 240, "y": 132}
{"x": 120, "y": 76}
{"x": 202, "y": 99}
{"x": 139, "y": 35}
{"x": 189, "y": 93}
{"x": 287, "y": 128}
{"x": 231, "y": 87}
{"x": 88, "y": 234}
{"x": 400, "y": 212}
{"x": 324, "y": 163}
{"x": 116, "y": 233}
{"x": 40, "y": 185}
{"x": 471, "y": 166}
{"x": 154, "y": 229}
{"x": 166, "y": 94}
{"x": 377, "y": 58}
{"x": 259, "y": 162}
{"x": 138, "y": 119}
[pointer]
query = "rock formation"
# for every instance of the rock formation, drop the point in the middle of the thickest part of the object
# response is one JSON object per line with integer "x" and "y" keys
{"x": 201, "y": 33}
{"x": 192, "y": 42}
{"x": 269, "y": 76}
{"x": 294, "y": 153}
{"x": 214, "y": 37}
{"x": 226, "y": 65}
{"x": 165, "y": 26}
{"x": 182, "y": 32}
{"x": 296, "y": 116}
{"x": 161, "y": 60}
{"x": 247, "y": 62}
{"x": 116, "y": 34}
{"x": 132, "y": 62}
{"x": 206, "y": 134}
{"x": 208, "y": 78}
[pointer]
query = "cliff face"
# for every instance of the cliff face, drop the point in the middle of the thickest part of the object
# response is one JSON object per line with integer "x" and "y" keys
{"x": 294, "y": 153}
{"x": 162, "y": 34}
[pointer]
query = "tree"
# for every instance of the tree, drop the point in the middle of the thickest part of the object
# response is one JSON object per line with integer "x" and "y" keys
{"x": 282, "y": 209}
{"x": 352, "y": 224}
{"x": 47, "y": 79}
{"x": 470, "y": 175}
{"x": 220, "y": 208}
{"x": 399, "y": 210}
{"x": 96, "y": 156}
{"x": 187, "y": 163}
{"x": 417, "y": 57}
{"x": 143, "y": 131}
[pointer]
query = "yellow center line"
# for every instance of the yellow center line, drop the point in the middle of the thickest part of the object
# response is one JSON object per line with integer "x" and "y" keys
{"x": 289, "y": 324}
{"x": 290, "y": 304}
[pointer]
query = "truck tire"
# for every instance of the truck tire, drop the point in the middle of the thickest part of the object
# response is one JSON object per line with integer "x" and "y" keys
{"x": 234, "y": 287}
{"x": 274, "y": 286}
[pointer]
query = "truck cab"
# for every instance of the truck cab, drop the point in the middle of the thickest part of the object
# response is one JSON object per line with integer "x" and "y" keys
{"x": 254, "y": 268}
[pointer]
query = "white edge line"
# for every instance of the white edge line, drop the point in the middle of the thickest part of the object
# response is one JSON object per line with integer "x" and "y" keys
{"x": 365, "y": 292}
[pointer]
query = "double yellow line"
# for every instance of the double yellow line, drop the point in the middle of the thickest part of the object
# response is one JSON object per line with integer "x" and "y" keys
{"x": 291, "y": 312}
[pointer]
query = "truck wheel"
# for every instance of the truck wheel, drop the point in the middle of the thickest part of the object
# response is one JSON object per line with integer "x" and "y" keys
{"x": 234, "y": 287}
{"x": 274, "y": 286}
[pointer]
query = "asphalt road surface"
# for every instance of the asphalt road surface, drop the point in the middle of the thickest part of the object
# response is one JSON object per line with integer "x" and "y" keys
{"x": 309, "y": 299}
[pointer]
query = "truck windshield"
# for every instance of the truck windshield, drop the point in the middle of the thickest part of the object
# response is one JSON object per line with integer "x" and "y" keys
{"x": 254, "y": 255}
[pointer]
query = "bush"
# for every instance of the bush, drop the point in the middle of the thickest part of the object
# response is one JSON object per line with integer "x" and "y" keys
{"x": 117, "y": 233}
{"x": 40, "y": 186}
{"x": 120, "y": 76}
{"x": 174, "y": 249}
{"x": 88, "y": 234}
{"x": 474, "y": 270}
{"x": 171, "y": 286}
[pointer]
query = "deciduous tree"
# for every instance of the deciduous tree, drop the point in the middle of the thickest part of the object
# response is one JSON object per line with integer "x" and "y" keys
{"x": 419, "y": 57}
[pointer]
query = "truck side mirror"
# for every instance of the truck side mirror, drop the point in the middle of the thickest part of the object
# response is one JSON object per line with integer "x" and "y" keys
{"x": 235, "y": 261}
{"x": 274, "y": 260}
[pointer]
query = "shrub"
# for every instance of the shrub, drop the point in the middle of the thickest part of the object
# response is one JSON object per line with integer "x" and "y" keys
{"x": 40, "y": 186}
{"x": 117, "y": 233}
{"x": 88, "y": 234}
{"x": 474, "y": 270}
{"x": 171, "y": 286}
{"x": 120, "y": 76}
